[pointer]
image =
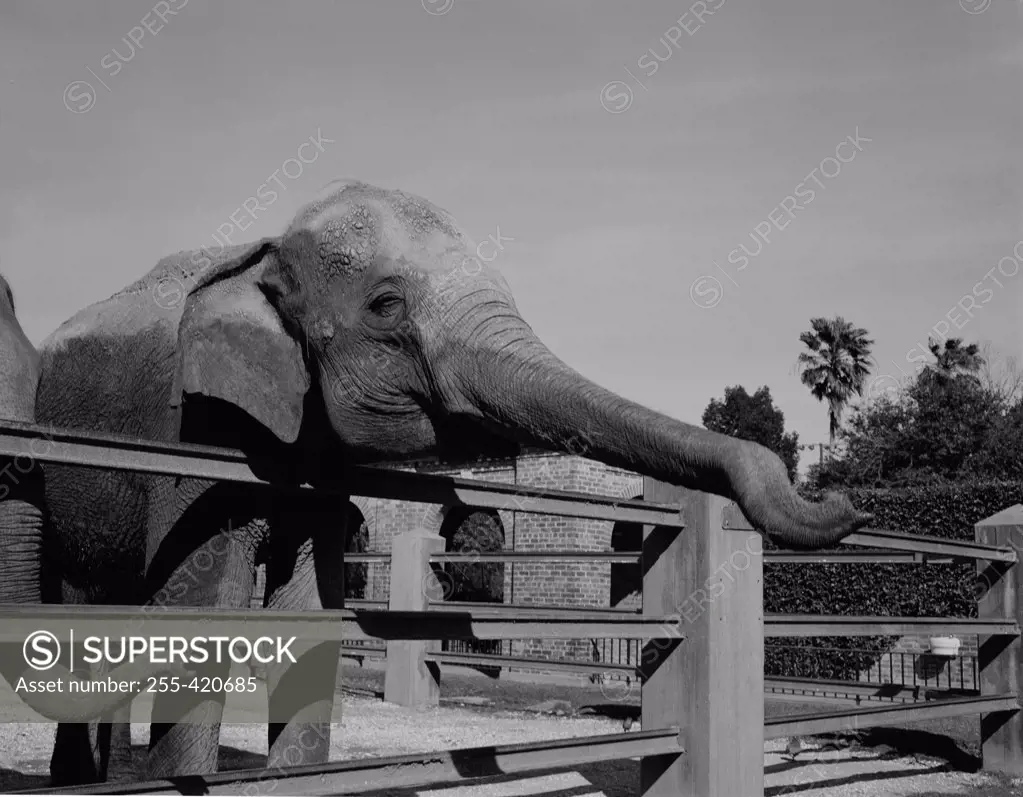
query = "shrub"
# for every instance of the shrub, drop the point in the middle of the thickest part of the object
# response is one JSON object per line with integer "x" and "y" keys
{"x": 948, "y": 511}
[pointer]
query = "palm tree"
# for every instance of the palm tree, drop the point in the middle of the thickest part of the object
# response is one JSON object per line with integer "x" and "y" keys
{"x": 954, "y": 358}
{"x": 836, "y": 365}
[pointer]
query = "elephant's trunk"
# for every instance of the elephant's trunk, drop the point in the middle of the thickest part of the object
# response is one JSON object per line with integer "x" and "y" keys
{"x": 521, "y": 388}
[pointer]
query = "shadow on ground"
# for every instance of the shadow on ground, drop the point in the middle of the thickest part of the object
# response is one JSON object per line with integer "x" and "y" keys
{"x": 11, "y": 780}
{"x": 615, "y": 711}
{"x": 901, "y": 741}
{"x": 609, "y": 778}
{"x": 818, "y": 783}
{"x": 908, "y": 742}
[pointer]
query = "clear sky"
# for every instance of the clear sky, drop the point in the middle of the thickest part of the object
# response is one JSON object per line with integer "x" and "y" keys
{"x": 498, "y": 112}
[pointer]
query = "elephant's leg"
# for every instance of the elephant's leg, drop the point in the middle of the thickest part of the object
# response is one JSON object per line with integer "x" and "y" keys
{"x": 93, "y": 752}
{"x": 97, "y": 751}
{"x": 113, "y": 731}
{"x": 93, "y": 554}
{"x": 218, "y": 573}
{"x": 76, "y": 758}
{"x": 308, "y": 578}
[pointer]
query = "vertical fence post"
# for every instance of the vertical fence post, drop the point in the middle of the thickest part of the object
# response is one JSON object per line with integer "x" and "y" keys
{"x": 711, "y": 684}
{"x": 998, "y": 657}
{"x": 410, "y": 681}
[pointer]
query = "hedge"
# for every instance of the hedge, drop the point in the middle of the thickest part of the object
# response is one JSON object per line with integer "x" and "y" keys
{"x": 943, "y": 510}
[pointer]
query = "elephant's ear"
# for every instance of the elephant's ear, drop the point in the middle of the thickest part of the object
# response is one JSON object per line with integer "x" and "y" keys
{"x": 232, "y": 345}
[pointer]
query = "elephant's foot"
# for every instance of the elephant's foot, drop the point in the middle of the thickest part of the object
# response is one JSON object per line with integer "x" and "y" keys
{"x": 188, "y": 748}
{"x": 120, "y": 764}
{"x": 301, "y": 702}
{"x": 91, "y": 752}
{"x": 298, "y": 743}
{"x": 190, "y": 744}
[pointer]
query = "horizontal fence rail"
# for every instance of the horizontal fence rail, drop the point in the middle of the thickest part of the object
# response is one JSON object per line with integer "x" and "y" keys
{"x": 872, "y": 557}
{"x": 335, "y": 624}
{"x": 453, "y": 606}
{"x": 917, "y": 552}
{"x": 802, "y": 625}
{"x": 892, "y": 540}
{"x": 487, "y": 660}
{"x": 498, "y": 609}
{"x": 818, "y": 689}
{"x": 613, "y": 557}
{"x": 363, "y": 651}
{"x": 116, "y": 452}
{"x": 364, "y": 603}
{"x": 520, "y": 624}
{"x": 923, "y": 544}
{"x": 775, "y": 625}
{"x": 881, "y": 557}
{"x": 852, "y": 719}
{"x": 408, "y": 771}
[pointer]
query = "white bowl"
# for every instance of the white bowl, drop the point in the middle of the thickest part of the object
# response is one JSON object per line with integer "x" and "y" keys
{"x": 945, "y": 645}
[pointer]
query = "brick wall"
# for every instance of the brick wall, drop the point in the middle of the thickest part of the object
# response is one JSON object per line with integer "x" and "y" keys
{"x": 541, "y": 584}
{"x": 921, "y": 644}
{"x": 568, "y": 583}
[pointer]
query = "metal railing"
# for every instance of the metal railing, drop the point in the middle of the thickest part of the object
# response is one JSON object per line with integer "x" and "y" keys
{"x": 870, "y": 666}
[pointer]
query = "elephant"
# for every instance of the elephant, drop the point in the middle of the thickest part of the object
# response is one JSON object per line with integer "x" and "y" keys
{"x": 366, "y": 332}
{"x": 24, "y": 579}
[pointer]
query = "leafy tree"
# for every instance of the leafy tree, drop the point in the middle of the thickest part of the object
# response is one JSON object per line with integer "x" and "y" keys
{"x": 1002, "y": 451}
{"x": 948, "y": 424}
{"x": 835, "y": 365}
{"x": 952, "y": 418}
{"x": 477, "y": 532}
{"x": 873, "y": 452}
{"x": 754, "y": 418}
{"x": 954, "y": 358}
{"x": 1001, "y": 375}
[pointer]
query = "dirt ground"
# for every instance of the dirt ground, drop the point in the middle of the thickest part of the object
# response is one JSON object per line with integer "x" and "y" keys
{"x": 373, "y": 728}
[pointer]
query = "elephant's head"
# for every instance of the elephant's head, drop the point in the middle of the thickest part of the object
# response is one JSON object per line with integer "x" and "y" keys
{"x": 374, "y": 303}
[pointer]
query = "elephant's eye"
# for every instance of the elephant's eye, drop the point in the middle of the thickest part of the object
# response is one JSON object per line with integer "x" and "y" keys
{"x": 386, "y": 306}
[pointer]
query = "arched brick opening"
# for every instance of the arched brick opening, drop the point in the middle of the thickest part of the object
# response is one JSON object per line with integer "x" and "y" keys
{"x": 356, "y": 541}
{"x": 467, "y": 530}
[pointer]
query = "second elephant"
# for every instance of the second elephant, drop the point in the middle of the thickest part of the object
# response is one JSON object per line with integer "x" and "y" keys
{"x": 25, "y": 577}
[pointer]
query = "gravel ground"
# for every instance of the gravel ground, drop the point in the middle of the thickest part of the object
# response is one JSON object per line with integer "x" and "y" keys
{"x": 373, "y": 728}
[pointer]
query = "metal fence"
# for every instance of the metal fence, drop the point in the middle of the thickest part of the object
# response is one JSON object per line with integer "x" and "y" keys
{"x": 869, "y": 666}
{"x": 616, "y": 651}
{"x": 483, "y": 647}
